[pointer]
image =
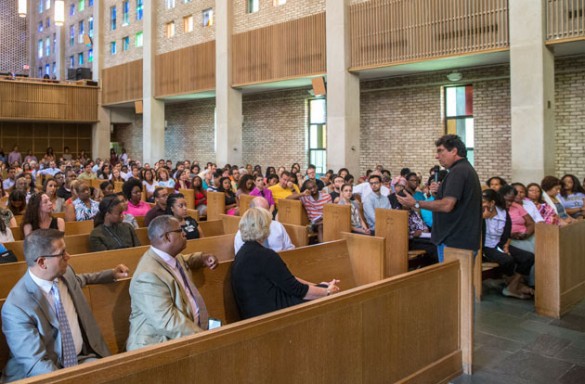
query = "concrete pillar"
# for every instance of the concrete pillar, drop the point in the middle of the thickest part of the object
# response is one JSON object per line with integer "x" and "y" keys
{"x": 153, "y": 135}
{"x": 101, "y": 131}
{"x": 228, "y": 101}
{"x": 532, "y": 92}
{"x": 343, "y": 92}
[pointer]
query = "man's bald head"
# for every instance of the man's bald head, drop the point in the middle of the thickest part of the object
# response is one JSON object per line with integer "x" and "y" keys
{"x": 259, "y": 202}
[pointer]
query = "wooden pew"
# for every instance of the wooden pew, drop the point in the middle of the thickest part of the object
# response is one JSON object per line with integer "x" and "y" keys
{"x": 336, "y": 219}
{"x": 245, "y": 203}
{"x": 78, "y": 227}
{"x": 140, "y": 221}
{"x": 189, "y": 197}
{"x": 95, "y": 183}
{"x": 382, "y": 332}
{"x": 292, "y": 212}
{"x": 118, "y": 186}
{"x": 212, "y": 228}
{"x": 367, "y": 257}
{"x": 230, "y": 223}
{"x": 298, "y": 234}
{"x": 392, "y": 225}
{"x": 559, "y": 268}
{"x": 215, "y": 205}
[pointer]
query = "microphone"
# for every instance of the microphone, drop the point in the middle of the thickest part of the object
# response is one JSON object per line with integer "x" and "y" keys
{"x": 436, "y": 169}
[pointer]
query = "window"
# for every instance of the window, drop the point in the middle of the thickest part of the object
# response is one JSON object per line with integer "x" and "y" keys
{"x": 54, "y": 69}
{"x": 318, "y": 134}
{"x": 72, "y": 9}
{"x": 188, "y": 24}
{"x": 81, "y": 5}
{"x": 126, "y": 12}
{"x": 47, "y": 4}
{"x": 459, "y": 115}
{"x": 81, "y": 32}
{"x": 48, "y": 22}
{"x": 139, "y": 39}
{"x": 40, "y": 7}
{"x": 90, "y": 26}
{"x": 113, "y": 49}
{"x": 170, "y": 29}
{"x": 139, "y": 9}
{"x": 54, "y": 42}
{"x": 90, "y": 56}
{"x": 47, "y": 69}
{"x": 187, "y": 1}
{"x": 72, "y": 35}
{"x": 90, "y": 3}
{"x": 207, "y": 17}
{"x": 71, "y": 61}
{"x": 113, "y": 18}
{"x": 170, "y": 4}
{"x": 40, "y": 72}
{"x": 80, "y": 58}
{"x": 253, "y": 6}
{"x": 48, "y": 46}
{"x": 40, "y": 27}
{"x": 276, "y": 3}
{"x": 126, "y": 43}
{"x": 40, "y": 48}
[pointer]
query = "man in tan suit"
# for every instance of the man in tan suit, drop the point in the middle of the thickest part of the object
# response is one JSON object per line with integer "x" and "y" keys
{"x": 165, "y": 303}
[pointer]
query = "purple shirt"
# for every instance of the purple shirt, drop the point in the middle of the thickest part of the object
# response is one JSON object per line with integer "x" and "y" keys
{"x": 265, "y": 193}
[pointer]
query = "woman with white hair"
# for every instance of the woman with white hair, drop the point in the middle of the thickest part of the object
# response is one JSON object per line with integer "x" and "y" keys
{"x": 261, "y": 281}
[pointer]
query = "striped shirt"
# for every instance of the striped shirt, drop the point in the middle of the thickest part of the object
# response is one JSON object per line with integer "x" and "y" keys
{"x": 314, "y": 207}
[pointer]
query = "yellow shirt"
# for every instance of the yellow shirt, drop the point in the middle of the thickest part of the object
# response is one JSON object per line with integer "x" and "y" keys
{"x": 282, "y": 193}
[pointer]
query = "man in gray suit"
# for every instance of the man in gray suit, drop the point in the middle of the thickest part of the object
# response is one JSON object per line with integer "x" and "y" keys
{"x": 47, "y": 322}
{"x": 166, "y": 304}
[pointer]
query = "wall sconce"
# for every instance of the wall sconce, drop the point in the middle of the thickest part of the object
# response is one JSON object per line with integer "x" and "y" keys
{"x": 22, "y": 8}
{"x": 59, "y": 12}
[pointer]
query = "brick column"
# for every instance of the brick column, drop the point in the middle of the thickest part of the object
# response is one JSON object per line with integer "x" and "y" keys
{"x": 101, "y": 135}
{"x": 532, "y": 92}
{"x": 228, "y": 100}
{"x": 343, "y": 92}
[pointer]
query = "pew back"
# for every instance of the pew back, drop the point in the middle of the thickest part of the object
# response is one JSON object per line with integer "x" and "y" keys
{"x": 189, "y": 197}
{"x": 215, "y": 205}
{"x": 211, "y": 228}
{"x": 392, "y": 225}
{"x": 78, "y": 227}
{"x": 292, "y": 212}
{"x": 245, "y": 203}
{"x": 336, "y": 219}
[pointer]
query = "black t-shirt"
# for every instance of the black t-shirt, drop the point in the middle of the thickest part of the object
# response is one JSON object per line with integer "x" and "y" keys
{"x": 460, "y": 228}
{"x": 63, "y": 193}
{"x": 191, "y": 228}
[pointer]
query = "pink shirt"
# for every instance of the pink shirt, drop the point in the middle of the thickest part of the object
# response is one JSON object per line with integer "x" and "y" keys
{"x": 265, "y": 193}
{"x": 517, "y": 213}
{"x": 137, "y": 210}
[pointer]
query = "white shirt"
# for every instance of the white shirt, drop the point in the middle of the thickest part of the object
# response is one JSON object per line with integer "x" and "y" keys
{"x": 532, "y": 210}
{"x": 364, "y": 189}
{"x": 278, "y": 239}
{"x": 67, "y": 302}
{"x": 8, "y": 183}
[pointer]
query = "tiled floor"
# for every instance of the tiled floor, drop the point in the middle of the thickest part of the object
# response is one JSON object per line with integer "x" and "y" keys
{"x": 515, "y": 345}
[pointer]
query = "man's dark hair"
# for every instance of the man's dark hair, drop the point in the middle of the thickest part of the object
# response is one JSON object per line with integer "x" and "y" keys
{"x": 453, "y": 141}
{"x": 404, "y": 172}
{"x": 411, "y": 174}
{"x": 39, "y": 243}
{"x": 285, "y": 173}
{"x": 156, "y": 191}
{"x": 375, "y": 176}
{"x": 311, "y": 166}
{"x": 218, "y": 173}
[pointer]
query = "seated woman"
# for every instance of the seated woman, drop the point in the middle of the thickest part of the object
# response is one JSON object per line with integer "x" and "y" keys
{"x": 24, "y": 185}
{"x": 231, "y": 204}
{"x": 200, "y": 196}
{"x": 106, "y": 188}
{"x": 128, "y": 218}
{"x": 522, "y": 224}
{"x": 260, "y": 279}
{"x": 16, "y": 202}
{"x": 495, "y": 183}
{"x": 83, "y": 207}
{"x": 110, "y": 231}
{"x": 164, "y": 180}
{"x": 514, "y": 262}
{"x": 552, "y": 188}
{"x": 183, "y": 180}
{"x": 177, "y": 207}
{"x": 50, "y": 189}
{"x": 38, "y": 215}
{"x": 547, "y": 212}
{"x": 526, "y": 203}
{"x": 149, "y": 184}
{"x": 358, "y": 225}
{"x": 132, "y": 189}
{"x": 572, "y": 196}
{"x": 245, "y": 186}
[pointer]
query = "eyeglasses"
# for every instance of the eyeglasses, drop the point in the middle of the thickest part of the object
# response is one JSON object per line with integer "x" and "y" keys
{"x": 180, "y": 230}
{"x": 374, "y": 182}
{"x": 63, "y": 253}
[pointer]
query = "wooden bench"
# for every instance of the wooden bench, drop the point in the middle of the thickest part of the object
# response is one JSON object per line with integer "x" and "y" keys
{"x": 215, "y": 205}
{"x": 245, "y": 203}
{"x": 292, "y": 212}
{"x": 392, "y": 225}
{"x": 71, "y": 228}
{"x": 336, "y": 219}
{"x": 559, "y": 268}
{"x": 382, "y": 332}
{"x": 189, "y": 197}
{"x": 298, "y": 234}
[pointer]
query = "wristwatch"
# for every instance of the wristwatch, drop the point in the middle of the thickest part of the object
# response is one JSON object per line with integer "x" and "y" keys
{"x": 417, "y": 205}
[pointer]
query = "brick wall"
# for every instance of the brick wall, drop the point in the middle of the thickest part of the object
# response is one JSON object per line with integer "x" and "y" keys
{"x": 269, "y": 14}
{"x": 130, "y": 137}
{"x": 182, "y": 39}
{"x": 47, "y": 33}
{"x": 13, "y": 38}
{"x": 274, "y": 131}
{"x": 570, "y": 116}
{"x": 78, "y": 46}
{"x": 122, "y": 30}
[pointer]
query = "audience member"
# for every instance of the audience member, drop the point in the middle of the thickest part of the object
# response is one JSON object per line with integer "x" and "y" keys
{"x": 109, "y": 230}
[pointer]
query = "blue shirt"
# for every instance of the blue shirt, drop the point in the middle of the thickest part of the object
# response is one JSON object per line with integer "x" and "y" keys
{"x": 373, "y": 201}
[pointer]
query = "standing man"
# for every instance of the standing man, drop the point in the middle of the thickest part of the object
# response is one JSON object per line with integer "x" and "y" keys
{"x": 47, "y": 322}
{"x": 166, "y": 304}
{"x": 457, "y": 213}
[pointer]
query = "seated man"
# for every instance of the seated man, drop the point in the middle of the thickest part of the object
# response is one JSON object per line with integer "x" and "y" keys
{"x": 165, "y": 303}
{"x": 374, "y": 200}
{"x": 312, "y": 176}
{"x": 160, "y": 205}
{"x": 47, "y": 322}
{"x": 314, "y": 201}
{"x": 285, "y": 189}
{"x": 278, "y": 240}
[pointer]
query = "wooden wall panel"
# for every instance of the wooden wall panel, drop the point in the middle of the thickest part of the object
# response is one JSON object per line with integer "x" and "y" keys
{"x": 29, "y": 100}
{"x": 282, "y": 51}
{"x": 385, "y": 32}
{"x": 187, "y": 70}
{"x": 565, "y": 19}
{"x": 122, "y": 83}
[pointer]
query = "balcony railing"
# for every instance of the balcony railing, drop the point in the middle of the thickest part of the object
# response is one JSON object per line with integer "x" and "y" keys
{"x": 386, "y": 32}
{"x": 565, "y": 19}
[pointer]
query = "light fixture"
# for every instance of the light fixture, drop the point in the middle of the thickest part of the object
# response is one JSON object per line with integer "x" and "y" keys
{"x": 22, "y": 8}
{"x": 59, "y": 12}
{"x": 455, "y": 76}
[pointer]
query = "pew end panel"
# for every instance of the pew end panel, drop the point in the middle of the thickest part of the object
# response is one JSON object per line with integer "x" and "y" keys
{"x": 292, "y": 212}
{"x": 17, "y": 233}
{"x": 559, "y": 268}
{"x": 140, "y": 221}
{"x": 392, "y": 225}
{"x": 212, "y": 228}
{"x": 78, "y": 227}
{"x": 220, "y": 246}
{"x": 245, "y": 203}
{"x": 336, "y": 219}
{"x": 17, "y": 247}
{"x": 215, "y": 205}
{"x": 366, "y": 254}
{"x": 230, "y": 223}
{"x": 189, "y": 197}
{"x": 299, "y": 235}
{"x": 142, "y": 234}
